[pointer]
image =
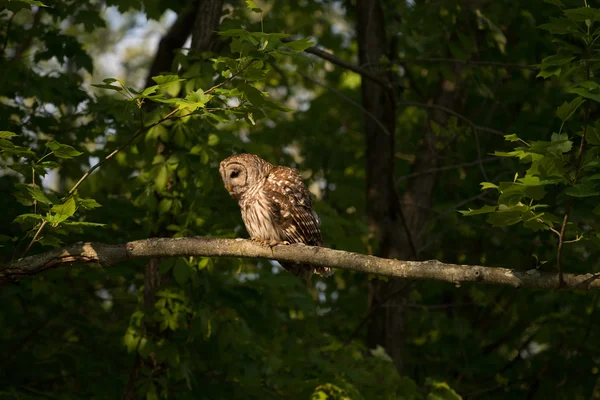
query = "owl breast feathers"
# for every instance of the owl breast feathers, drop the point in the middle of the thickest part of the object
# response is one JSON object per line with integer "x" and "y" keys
{"x": 275, "y": 204}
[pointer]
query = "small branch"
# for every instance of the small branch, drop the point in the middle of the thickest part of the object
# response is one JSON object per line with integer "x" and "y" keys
{"x": 466, "y": 62}
{"x": 342, "y": 63}
{"x": 452, "y": 112}
{"x": 349, "y": 100}
{"x": 448, "y": 168}
{"x": 109, "y": 255}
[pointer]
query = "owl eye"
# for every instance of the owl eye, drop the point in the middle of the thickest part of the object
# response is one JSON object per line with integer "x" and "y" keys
{"x": 234, "y": 174}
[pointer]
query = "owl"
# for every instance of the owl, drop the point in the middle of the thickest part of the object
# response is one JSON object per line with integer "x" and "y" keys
{"x": 276, "y": 205}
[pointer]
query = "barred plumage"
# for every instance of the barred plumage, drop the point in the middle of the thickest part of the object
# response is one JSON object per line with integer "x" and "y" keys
{"x": 275, "y": 204}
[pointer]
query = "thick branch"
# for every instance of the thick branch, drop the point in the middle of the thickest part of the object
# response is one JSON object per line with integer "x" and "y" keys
{"x": 110, "y": 255}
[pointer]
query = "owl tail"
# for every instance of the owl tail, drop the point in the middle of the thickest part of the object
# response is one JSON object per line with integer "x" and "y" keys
{"x": 305, "y": 270}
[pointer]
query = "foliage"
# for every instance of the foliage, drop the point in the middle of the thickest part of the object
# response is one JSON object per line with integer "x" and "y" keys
{"x": 565, "y": 166}
{"x": 239, "y": 329}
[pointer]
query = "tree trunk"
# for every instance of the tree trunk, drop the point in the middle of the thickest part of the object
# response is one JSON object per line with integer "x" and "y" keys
{"x": 397, "y": 230}
{"x": 173, "y": 40}
{"x": 386, "y": 322}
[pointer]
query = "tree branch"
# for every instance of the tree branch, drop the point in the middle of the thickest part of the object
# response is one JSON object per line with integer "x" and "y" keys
{"x": 342, "y": 63}
{"x": 466, "y": 62}
{"x": 109, "y": 255}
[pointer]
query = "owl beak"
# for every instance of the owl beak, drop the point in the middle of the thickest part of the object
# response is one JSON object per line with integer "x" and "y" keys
{"x": 229, "y": 188}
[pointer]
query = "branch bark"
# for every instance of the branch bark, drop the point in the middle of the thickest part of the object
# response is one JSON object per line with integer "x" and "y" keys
{"x": 109, "y": 255}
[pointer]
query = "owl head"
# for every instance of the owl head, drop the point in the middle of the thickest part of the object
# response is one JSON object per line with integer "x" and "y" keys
{"x": 241, "y": 172}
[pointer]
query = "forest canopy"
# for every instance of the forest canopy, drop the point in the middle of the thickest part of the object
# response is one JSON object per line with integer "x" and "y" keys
{"x": 463, "y": 132}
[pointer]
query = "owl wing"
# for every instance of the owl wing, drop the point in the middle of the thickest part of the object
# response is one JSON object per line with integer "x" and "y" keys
{"x": 291, "y": 207}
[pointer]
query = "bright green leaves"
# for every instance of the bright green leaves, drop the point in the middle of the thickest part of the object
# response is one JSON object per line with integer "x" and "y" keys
{"x": 48, "y": 210}
{"x": 6, "y": 134}
{"x": 61, "y": 212}
{"x": 9, "y": 148}
{"x": 557, "y": 165}
{"x": 259, "y": 44}
{"x": 195, "y": 100}
{"x": 300, "y": 44}
{"x": 62, "y": 150}
{"x": 252, "y": 6}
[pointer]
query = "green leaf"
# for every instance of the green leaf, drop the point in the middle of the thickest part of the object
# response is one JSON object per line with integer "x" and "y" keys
{"x": 591, "y": 136}
{"x": 512, "y": 138}
{"x": 482, "y": 210}
{"x": 62, "y": 150}
{"x": 149, "y": 90}
{"x": 34, "y": 3}
{"x": 560, "y": 26}
{"x": 166, "y": 80}
{"x": 88, "y": 204}
{"x": 37, "y": 194}
{"x": 300, "y": 45}
{"x": 252, "y": 94}
{"x": 505, "y": 218}
{"x": 213, "y": 139}
{"x": 10, "y": 148}
{"x": 585, "y": 93}
{"x": 488, "y": 185}
{"x": 195, "y": 100}
{"x": 252, "y": 6}
{"x": 62, "y": 211}
{"x": 181, "y": 272}
{"x": 7, "y": 134}
{"x": 50, "y": 240}
{"x": 165, "y": 205}
{"x": 582, "y": 190}
{"x": 548, "y": 72}
{"x": 441, "y": 391}
{"x": 583, "y": 13}
{"x": 566, "y": 110}
{"x": 27, "y": 218}
{"x": 161, "y": 177}
{"x": 557, "y": 60}
{"x": 107, "y": 87}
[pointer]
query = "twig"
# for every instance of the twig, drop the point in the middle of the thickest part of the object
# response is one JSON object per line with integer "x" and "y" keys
{"x": 218, "y": 85}
{"x": 447, "y": 168}
{"x": 349, "y": 100}
{"x": 452, "y": 112}
{"x": 466, "y": 62}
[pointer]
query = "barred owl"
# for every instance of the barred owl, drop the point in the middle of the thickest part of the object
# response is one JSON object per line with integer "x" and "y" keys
{"x": 276, "y": 205}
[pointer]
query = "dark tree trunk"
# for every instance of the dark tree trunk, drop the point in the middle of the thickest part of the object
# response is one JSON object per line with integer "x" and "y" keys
{"x": 173, "y": 40}
{"x": 398, "y": 230}
{"x": 386, "y": 322}
{"x": 206, "y": 25}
